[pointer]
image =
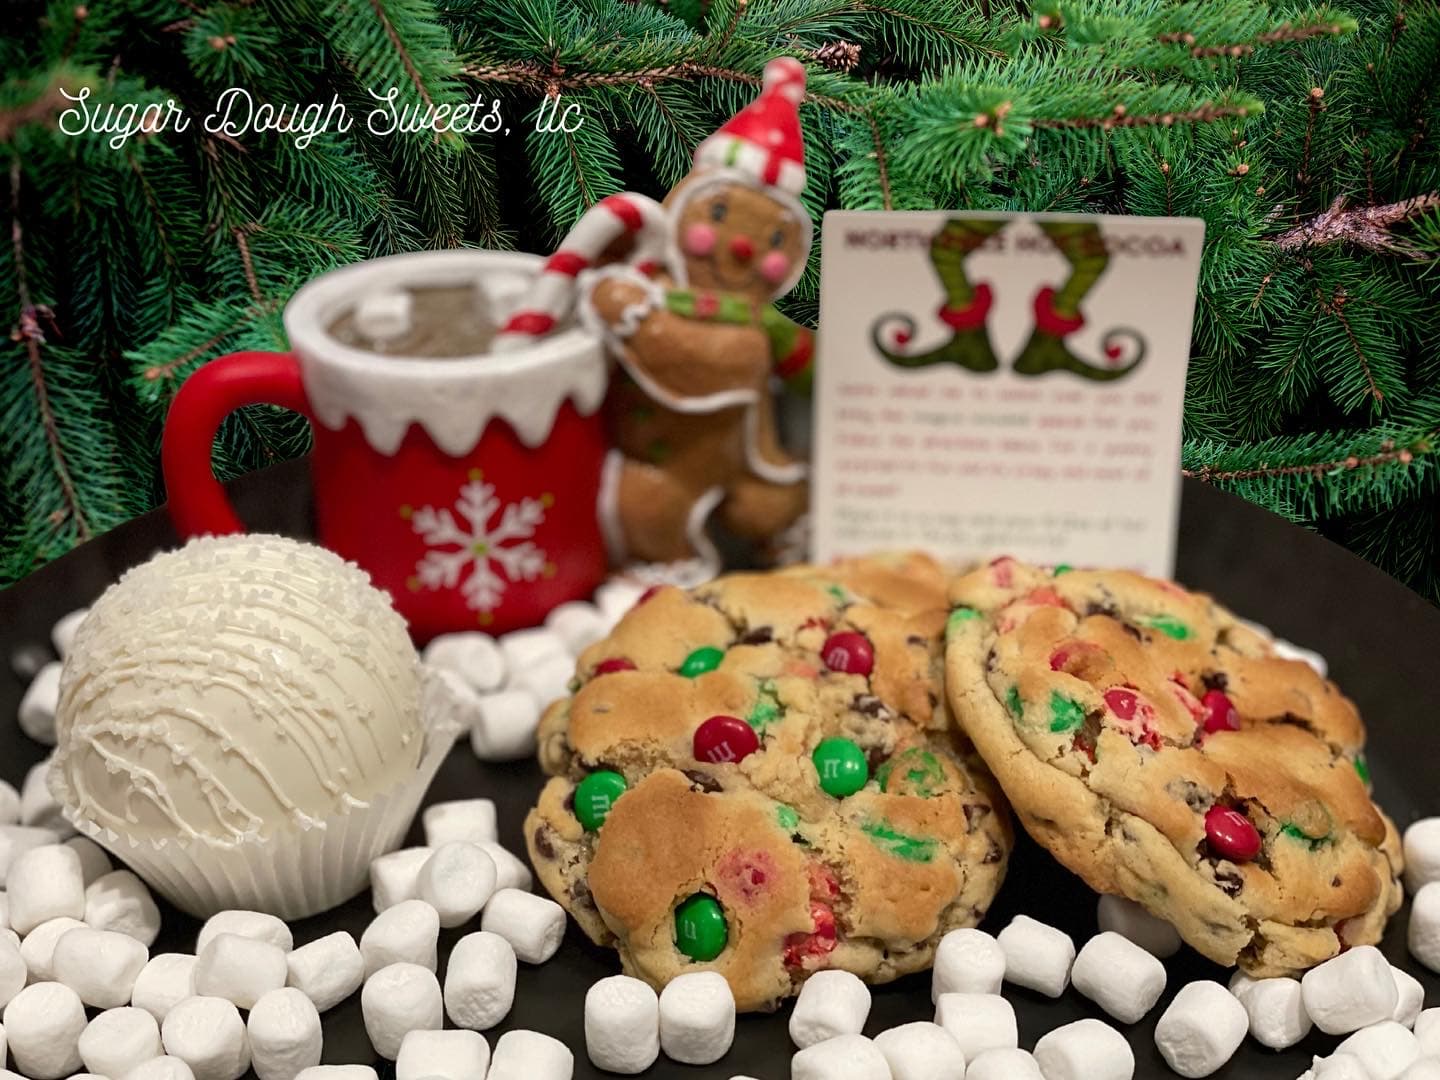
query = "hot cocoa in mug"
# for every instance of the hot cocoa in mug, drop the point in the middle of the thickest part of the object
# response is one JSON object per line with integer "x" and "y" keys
{"x": 466, "y": 483}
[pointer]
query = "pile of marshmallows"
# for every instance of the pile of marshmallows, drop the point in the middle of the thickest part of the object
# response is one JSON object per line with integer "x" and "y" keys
{"x": 76, "y": 935}
{"x": 505, "y": 682}
{"x": 974, "y": 1033}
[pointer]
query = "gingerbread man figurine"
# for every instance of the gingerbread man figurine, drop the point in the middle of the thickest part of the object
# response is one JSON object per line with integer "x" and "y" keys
{"x": 690, "y": 323}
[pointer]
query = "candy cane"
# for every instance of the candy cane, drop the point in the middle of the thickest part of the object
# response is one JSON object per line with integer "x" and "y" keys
{"x": 553, "y": 293}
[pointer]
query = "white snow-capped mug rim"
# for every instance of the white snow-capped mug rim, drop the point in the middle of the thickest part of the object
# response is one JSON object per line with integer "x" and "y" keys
{"x": 319, "y": 302}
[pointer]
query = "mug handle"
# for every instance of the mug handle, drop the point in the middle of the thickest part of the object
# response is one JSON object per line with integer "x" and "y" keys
{"x": 198, "y": 504}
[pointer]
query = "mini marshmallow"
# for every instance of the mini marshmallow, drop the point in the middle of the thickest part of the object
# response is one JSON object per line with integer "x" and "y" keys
{"x": 967, "y": 961}
{"x": 1130, "y": 920}
{"x": 616, "y": 597}
{"x": 1202, "y": 1028}
{"x": 529, "y": 1055}
{"x": 407, "y": 933}
{"x": 99, "y": 965}
{"x": 62, "y": 636}
{"x": 163, "y": 983}
{"x": 442, "y": 1055}
{"x": 524, "y": 648}
{"x": 43, "y": 1024}
{"x": 208, "y": 1035}
{"x": 532, "y": 924}
{"x": 383, "y": 314}
{"x": 253, "y": 925}
{"x": 1085, "y": 1050}
{"x": 978, "y": 1022}
{"x": 394, "y": 877}
{"x": 37, "y": 806}
{"x": 9, "y": 804}
{"x": 239, "y": 969}
{"x": 1352, "y": 990}
{"x": 1386, "y": 1048}
{"x": 921, "y": 1051}
{"x": 37, "y": 707}
{"x": 831, "y": 1003}
{"x": 578, "y": 624}
{"x": 1423, "y": 1069}
{"x": 468, "y": 820}
{"x": 1427, "y": 1030}
{"x": 1336, "y": 1067}
{"x": 697, "y": 1018}
{"x": 471, "y": 655}
{"x": 622, "y": 1025}
{"x": 38, "y": 948}
{"x": 1411, "y": 997}
{"x": 480, "y": 981}
{"x": 163, "y": 1067}
{"x": 45, "y": 883}
{"x": 1037, "y": 956}
{"x": 1422, "y": 854}
{"x": 27, "y": 660}
{"x": 118, "y": 1040}
{"x": 1424, "y": 932}
{"x": 328, "y": 970}
{"x": 1119, "y": 976}
{"x": 547, "y": 678}
{"x": 845, "y": 1057}
{"x": 285, "y": 1035}
{"x": 1004, "y": 1064}
{"x": 13, "y": 975}
{"x": 120, "y": 901}
{"x": 457, "y": 881}
{"x": 16, "y": 840}
{"x": 504, "y": 724}
{"x": 399, "y": 999}
{"x": 1288, "y": 650}
{"x": 94, "y": 863}
{"x": 338, "y": 1072}
{"x": 1276, "y": 1008}
{"x": 510, "y": 871}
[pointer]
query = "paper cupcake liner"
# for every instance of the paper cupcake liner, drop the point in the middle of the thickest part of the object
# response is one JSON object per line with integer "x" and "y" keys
{"x": 296, "y": 872}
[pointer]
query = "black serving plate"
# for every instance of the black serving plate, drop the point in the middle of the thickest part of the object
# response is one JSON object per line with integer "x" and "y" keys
{"x": 1382, "y": 642}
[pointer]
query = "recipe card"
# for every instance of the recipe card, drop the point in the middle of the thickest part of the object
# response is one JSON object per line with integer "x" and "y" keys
{"x": 992, "y": 384}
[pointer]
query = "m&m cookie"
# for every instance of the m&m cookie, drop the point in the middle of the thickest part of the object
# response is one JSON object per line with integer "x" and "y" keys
{"x": 760, "y": 777}
{"x": 1163, "y": 751}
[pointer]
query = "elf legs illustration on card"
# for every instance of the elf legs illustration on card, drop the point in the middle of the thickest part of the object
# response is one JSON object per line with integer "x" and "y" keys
{"x": 967, "y": 308}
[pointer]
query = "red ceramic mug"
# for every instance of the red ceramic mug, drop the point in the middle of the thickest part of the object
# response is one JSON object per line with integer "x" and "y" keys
{"x": 467, "y": 487}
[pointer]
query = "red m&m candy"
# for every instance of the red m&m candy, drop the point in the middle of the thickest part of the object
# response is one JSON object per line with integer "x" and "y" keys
{"x": 1220, "y": 714}
{"x": 1122, "y": 702}
{"x": 724, "y": 739}
{"x": 1231, "y": 834}
{"x": 614, "y": 664}
{"x": 848, "y": 652}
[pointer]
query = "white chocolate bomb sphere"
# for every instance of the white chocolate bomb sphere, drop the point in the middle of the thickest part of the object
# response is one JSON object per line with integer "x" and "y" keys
{"x": 234, "y": 688}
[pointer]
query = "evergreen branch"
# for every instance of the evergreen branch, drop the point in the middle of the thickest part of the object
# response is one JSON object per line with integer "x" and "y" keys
{"x": 1387, "y": 455}
{"x": 28, "y": 330}
{"x": 1333, "y": 307}
{"x": 554, "y": 78}
{"x": 929, "y": 26}
{"x": 1367, "y": 227}
{"x": 400, "y": 50}
{"x": 1284, "y": 34}
{"x": 156, "y": 372}
{"x": 885, "y": 196}
{"x": 1120, "y": 118}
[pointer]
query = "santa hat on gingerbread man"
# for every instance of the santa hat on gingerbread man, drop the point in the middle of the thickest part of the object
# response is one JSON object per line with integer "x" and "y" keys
{"x": 763, "y": 139}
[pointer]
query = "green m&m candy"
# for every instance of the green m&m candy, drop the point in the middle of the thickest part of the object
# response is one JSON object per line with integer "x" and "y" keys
{"x": 842, "y": 766}
{"x": 700, "y": 930}
{"x": 706, "y": 658}
{"x": 595, "y": 795}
